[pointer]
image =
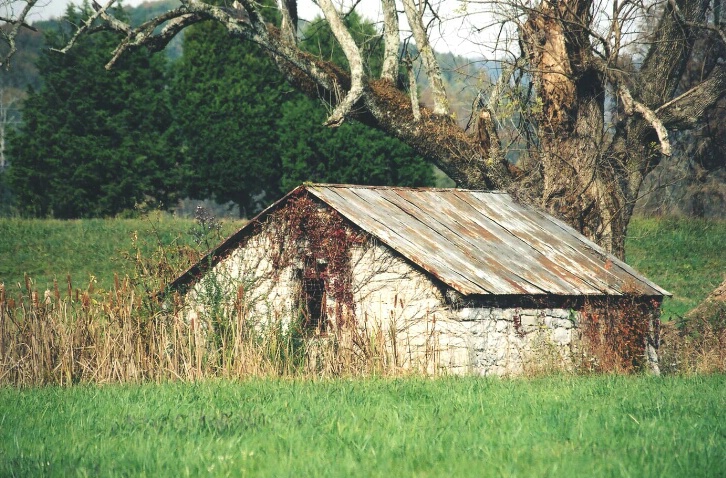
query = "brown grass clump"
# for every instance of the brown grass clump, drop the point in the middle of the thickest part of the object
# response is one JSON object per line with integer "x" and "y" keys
{"x": 697, "y": 345}
{"x": 697, "y": 342}
{"x": 64, "y": 338}
{"x": 123, "y": 336}
{"x": 77, "y": 338}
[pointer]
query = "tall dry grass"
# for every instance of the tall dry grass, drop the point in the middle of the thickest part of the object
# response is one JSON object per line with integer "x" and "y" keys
{"x": 127, "y": 334}
{"x": 65, "y": 336}
{"x": 78, "y": 336}
{"x": 693, "y": 348}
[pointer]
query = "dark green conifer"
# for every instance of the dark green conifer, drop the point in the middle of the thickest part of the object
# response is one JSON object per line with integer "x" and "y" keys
{"x": 92, "y": 142}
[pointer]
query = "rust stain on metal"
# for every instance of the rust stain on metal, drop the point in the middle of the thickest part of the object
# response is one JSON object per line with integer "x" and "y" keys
{"x": 483, "y": 242}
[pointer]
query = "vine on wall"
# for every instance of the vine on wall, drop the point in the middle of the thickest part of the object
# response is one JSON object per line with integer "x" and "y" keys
{"x": 315, "y": 238}
{"x": 615, "y": 332}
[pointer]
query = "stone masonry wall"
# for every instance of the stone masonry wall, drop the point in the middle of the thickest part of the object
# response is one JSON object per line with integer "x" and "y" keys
{"x": 393, "y": 299}
{"x": 433, "y": 335}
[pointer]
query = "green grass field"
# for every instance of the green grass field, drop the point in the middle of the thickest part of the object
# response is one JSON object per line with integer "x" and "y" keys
{"x": 49, "y": 250}
{"x": 556, "y": 426}
{"x": 553, "y": 426}
{"x": 686, "y": 256}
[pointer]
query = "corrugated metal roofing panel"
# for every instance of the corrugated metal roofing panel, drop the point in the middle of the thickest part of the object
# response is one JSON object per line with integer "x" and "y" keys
{"x": 483, "y": 242}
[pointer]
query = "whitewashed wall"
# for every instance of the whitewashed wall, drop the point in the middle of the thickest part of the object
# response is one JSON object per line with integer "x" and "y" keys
{"x": 267, "y": 295}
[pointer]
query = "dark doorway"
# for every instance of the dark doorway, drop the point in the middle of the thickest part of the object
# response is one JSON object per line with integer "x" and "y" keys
{"x": 313, "y": 299}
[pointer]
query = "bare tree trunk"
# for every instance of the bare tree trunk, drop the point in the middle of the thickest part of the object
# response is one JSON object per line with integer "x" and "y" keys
{"x": 592, "y": 176}
{"x": 8, "y": 101}
{"x": 391, "y": 41}
{"x": 352, "y": 53}
{"x": 578, "y": 177}
{"x": 414, "y": 14}
{"x": 288, "y": 12}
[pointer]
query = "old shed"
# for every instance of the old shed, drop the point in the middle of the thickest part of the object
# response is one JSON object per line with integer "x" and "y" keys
{"x": 466, "y": 281}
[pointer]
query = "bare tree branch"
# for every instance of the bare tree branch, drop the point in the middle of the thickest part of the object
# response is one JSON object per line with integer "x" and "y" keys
{"x": 412, "y": 88}
{"x": 575, "y": 164}
{"x": 288, "y": 11}
{"x": 696, "y": 25}
{"x": 86, "y": 25}
{"x": 352, "y": 53}
{"x": 391, "y": 41}
{"x": 631, "y": 107}
{"x": 687, "y": 110}
{"x": 8, "y": 36}
{"x": 431, "y": 65}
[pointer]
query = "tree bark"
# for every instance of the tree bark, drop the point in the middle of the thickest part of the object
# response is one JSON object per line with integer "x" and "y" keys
{"x": 592, "y": 173}
{"x": 414, "y": 14}
{"x": 578, "y": 182}
{"x": 391, "y": 41}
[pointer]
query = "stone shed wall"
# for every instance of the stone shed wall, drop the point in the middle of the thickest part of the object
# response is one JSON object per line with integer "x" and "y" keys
{"x": 247, "y": 284}
{"x": 429, "y": 331}
{"x": 422, "y": 324}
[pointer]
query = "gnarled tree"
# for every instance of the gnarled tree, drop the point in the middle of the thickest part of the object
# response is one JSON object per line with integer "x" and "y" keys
{"x": 575, "y": 59}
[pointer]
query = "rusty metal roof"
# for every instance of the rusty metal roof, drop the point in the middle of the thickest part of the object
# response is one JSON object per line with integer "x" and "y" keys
{"x": 480, "y": 242}
{"x": 476, "y": 242}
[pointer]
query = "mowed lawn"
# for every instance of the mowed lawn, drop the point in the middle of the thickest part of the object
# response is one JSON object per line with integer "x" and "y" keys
{"x": 553, "y": 426}
{"x": 685, "y": 256}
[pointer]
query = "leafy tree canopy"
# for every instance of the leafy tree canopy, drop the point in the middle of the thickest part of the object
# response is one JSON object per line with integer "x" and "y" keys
{"x": 224, "y": 124}
{"x": 92, "y": 142}
{"x": 352, "y": 153}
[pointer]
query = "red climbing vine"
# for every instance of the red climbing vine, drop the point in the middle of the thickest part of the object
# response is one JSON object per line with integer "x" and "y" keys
{"x": 316, "y": 238}
{"x": 616, "y": 331}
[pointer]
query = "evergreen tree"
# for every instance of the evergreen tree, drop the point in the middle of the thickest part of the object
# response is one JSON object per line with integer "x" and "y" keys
{"x": 243, "y": 135}
{"x": 352, "y": 153}
{"x": 225, "y": 96}
{"x": 319, "y": 40}
{"x": 92, "y": 142}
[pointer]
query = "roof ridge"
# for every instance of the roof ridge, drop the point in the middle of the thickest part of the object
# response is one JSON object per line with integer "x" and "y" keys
{"x": 409, "y": 188}
{"x": 453, "y": 240}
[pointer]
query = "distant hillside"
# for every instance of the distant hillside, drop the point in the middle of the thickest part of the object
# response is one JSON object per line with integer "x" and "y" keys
{"x": 463, "y": 78}
{"x": 22, "y": 72}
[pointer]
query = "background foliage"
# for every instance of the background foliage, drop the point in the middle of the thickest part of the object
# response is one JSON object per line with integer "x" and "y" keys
{"x": 219, "y": 122}
{"x": 225, "y": 96}
{"x": 92, "y": 141}
{"x": 691, "y": 182}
